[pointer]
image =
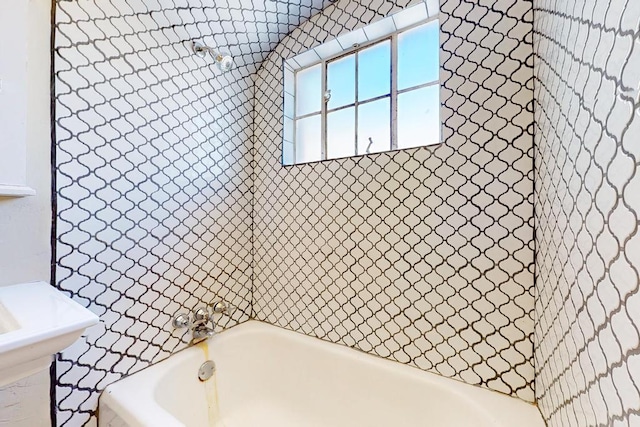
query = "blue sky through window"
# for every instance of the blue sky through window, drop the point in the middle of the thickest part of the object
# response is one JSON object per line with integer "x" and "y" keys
{"x": 374, "y": 127}
{"x": 418, "y": 117}
{"x": 341, "y": 81}
{"x": 374, "y": 72}
{"x": 418, "y": 56}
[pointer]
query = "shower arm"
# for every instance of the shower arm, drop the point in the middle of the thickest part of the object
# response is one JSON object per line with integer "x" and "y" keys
{"x": 202, "y": 50}
{"x": 222, "y": 60}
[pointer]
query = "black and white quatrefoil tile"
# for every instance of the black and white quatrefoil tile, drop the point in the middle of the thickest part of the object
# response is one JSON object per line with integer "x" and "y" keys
{"x": 170, "y": 193}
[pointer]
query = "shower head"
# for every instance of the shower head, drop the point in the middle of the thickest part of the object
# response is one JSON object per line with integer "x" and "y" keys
{"x": 223, "y": 61}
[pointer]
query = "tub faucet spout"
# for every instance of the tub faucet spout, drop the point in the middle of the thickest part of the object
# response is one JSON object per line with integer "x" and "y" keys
{"x": 202, "y": 332}
{"x": 202, "y": 325}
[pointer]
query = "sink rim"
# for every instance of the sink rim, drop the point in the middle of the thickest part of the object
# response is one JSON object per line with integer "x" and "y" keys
{"x": 65, "y": 316}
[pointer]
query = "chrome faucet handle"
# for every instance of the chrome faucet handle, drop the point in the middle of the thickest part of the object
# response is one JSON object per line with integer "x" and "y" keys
{"x": 181, "y": 321}
{"x": 220, "y": 307}
{"x": 201, "y": 315}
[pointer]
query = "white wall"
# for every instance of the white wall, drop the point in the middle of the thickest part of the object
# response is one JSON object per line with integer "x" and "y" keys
{"x": 13, "y": 92}
{"x": 25, "y": 224}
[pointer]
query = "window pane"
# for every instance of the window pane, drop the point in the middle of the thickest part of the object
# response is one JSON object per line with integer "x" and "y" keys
{"x": 419, "y": 117}
{"x": 418, "y": 56}
{"x": 341, "y": 81}
{"x": 287, "y": 153}
{"x": 374, "y": 129}
{"x": 308, "y": 147}
{"x": 374, "y": 71}
{"x": 341, "y": 133}
{"x": 308, "y": 91}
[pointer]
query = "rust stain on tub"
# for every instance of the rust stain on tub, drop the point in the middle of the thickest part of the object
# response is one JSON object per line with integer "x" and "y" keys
{"x": 211, "y": 388}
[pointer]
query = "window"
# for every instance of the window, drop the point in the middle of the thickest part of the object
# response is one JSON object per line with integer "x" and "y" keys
{"x": 381, "y": 94}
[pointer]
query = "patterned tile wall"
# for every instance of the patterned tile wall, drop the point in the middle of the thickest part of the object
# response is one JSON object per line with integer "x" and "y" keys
{"x": 587, "y": 87}
{"x": 154, "y": 174}
{"x": 424, "y": 256}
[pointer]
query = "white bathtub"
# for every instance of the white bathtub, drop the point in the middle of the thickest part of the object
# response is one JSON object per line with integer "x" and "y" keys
{"x": 267, "y": 376}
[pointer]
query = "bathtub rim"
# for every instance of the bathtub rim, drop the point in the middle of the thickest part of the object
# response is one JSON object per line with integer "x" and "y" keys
{"x": 118, "y": 395}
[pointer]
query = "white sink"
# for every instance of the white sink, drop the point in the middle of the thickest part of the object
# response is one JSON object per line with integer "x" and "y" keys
{"x": 36, "y": 322}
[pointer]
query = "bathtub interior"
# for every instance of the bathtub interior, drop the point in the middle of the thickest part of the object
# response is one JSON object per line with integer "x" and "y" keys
{"x": 267, "y": 376}
{"x": 167, "y": 394}
{"x": 309, "y": 384}
{"x": 182, "y": 394}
